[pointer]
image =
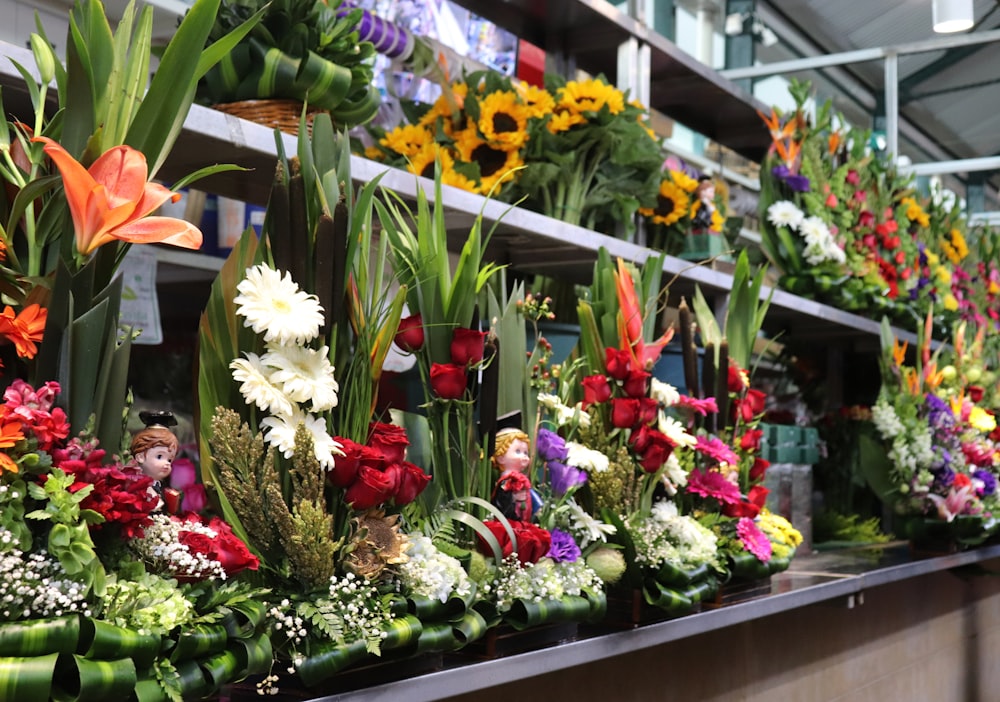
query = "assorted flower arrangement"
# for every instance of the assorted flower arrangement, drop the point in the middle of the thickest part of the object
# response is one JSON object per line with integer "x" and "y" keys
{"x": 578, "y": 151}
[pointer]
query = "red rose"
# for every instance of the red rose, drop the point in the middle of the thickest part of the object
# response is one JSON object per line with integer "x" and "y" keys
{"x": 637, "y": 383}
{"x": 617, "y": 363}
{"x": 532, "y": 541}
{"x": 750, "y": 506}
{"x": 372, "y": 487}
{"x": 624, "y": 412}
{"x": 448, "y": 380}
{"x": 596, "y": 389}
{"x": 410, "y": 333}
{"x": 750, "y": 441}
{"x": 345, "y": 468}
{"x": 759, "y": 467}
{"x": 648, "y": 409}
{"x": 640, "y": 439}
{"x": 750, "y": 406}
{"x": 229, "y": 550}
{"x": 657, "y": 451}
{"x": 736, "y": 381}
{"x": 390, "y": 440}
{"x": 467, "y": 346}
{"x": 412, "y": 482}
{"x": 975, "y": 393}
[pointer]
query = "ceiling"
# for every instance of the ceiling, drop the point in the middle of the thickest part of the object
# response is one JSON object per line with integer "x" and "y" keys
{"x": 949, "y": 100}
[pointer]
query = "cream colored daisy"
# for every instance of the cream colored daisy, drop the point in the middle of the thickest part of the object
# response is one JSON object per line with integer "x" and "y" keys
{"x": 664, "y": 393}
{"x": 586, "y": 458}
{"x": 675, "y": 431}
{"x": 274, "y": 305}
{"x": 279, "y": 432}
{"x": 255, "y": 386}
{"x": 303, "y": 374}
{"x": 589, "y": 529}
{"x": 784, "y": 214}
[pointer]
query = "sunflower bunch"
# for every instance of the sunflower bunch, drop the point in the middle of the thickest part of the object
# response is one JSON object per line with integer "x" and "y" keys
{"x": 576, "y": 151}
{"x": 677, "y": 204}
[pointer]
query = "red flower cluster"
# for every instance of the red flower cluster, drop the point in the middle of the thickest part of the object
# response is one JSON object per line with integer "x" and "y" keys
{"x": 377, "y": 472}
{"x": 33, "y": 408}
{"x": 532, "y": 541}
{"x": 449, "y": 380}
{"x": 625, "y": 387}
{"x": 226, "y": 548}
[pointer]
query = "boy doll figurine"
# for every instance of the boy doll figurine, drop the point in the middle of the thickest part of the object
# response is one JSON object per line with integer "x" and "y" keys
{"x": 153, "y": 451}
{"x": 512, "y": 493}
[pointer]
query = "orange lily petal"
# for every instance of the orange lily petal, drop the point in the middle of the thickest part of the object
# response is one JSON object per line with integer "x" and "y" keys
{"x": 158, "y": 230}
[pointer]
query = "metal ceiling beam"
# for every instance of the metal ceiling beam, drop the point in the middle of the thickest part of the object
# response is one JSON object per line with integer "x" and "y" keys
{"x": 950, "y": 58}
{"x": 962, "y": 165}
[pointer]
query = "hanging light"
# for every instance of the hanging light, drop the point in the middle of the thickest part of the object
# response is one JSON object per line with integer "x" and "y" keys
{"x": 952, "y": 15}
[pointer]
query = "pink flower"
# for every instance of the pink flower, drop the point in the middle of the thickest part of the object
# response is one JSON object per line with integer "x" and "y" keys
{"x": 717, "y": 449}
{"x": 961, "y": 501}
{"x": 713, "y": 484}
{"x": 702, "y": 407}
{"x": 754, "y": 540}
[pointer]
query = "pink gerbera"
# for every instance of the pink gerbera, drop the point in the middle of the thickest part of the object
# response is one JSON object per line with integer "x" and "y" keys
{"x": 715, "y": 485}
{"x": 717, "y": 449}
{"x": 754, "y": 540}
{"x": 702, "y": 407}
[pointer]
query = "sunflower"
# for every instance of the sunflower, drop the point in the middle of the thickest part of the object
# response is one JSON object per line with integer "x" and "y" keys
{"x": 672, "y": 203}
{"x": 684, "y": 181}
{"x": 422, "y": 164}
{"x": 447, "y": 106}
{"x": 495, "y": 165}
{"x": 590, "y": 96}
{"x": 407, "y": 139}
{"x": 375, "y": 544}
{"x": 503, "y": 121}
{"x": 538, "y": 101}
{"x": 562, "y": 120}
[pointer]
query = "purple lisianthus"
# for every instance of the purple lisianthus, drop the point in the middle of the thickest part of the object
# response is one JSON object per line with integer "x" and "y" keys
{"x": 988, "y": 480}
{"x": 551, "y": 446}
{"x": 562, "y": 547}
{"x": 563, "y": 477}
{"x": 795, "y": 182}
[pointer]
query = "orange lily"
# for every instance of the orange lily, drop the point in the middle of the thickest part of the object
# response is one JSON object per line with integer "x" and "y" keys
{"x": 24, "y": 329}
{"x": 630, "y": 322}
{"x": 110, "y": 200}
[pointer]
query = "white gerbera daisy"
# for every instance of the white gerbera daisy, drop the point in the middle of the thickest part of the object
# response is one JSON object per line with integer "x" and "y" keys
{"x": 274, "y": 305}
{"x": 303, "y": 374}
{"x": 674, "y": 476}
{"x": 586, "y": 527}
{"x": 586, "y": 458}
{"x": 675, "y": 431}
{"x": 664, "y": 393}
{"x": 279, "y": 432}
{"x": 815, "y": 231}
{"x": 784, "y": 213}
{"x": 664, "y": 510}
{"x": 548, "y": 400}
{"x": 256, "y": 388}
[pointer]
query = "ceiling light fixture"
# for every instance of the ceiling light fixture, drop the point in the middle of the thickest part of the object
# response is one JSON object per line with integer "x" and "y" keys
{"x": 952, "y": 15}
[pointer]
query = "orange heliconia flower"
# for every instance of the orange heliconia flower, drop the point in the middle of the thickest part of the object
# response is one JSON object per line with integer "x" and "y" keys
{"x": 630, "y": 322}
{"x": 24, "y": 329}
{"x": 111, "y": 200}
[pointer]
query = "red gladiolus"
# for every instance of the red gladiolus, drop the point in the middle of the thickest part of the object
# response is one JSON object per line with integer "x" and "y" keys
{"x": 637, "y": 383}
{"x": 624, "y": 412}
{"x": 596, "y": 389}
{"x": 448, "y": 380}
{"x": 467, "y": 346}
{"x": 412, "y": 481}
{"x": 410, "y": 333}
{"x": 371, "y": 488}
{"x": 617, "y": 363}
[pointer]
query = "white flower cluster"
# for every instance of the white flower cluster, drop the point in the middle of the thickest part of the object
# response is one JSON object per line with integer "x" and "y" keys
{"x": 544, "y": 580}
{"x": 820, "y": 244}
{"x": 886, "y": 421}
{"x": 360, "y": 607}
{"x": 289, "y": 374}
{"x": 668, "y": 537}
{"x": 912, "y": 451}
{"x": 162, "y": 550}
{"x": 432, "y": 574}
{"x": 664, "y": 393}
{"x": 286, "y": 620}
{"x": 34, "y": 586}
{"x": 563, "y": 414}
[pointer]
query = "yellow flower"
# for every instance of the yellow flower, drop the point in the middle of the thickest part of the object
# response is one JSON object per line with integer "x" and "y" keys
{"x": 447, "y": 107}
{"x": 684, "y": 181}
{"x": 538, "y": 101}
{"x": 779, "y": 529}
{"x": 503, "y": 121}
{"x": 982, "y": 420}
{"x": 407, "y": 139}
{"x": 562, "y": 120}
{"x": 915, "y": 213}
{"x": 932, "y": 258}
{"x": 672, "y": 203}
{"x": 495, "y": 165}
{"x": 373, "y": 153}
{"x": 993, "y": 288}
{"x": 950, "y": 303}
{"x": 590, "y": 96}
{"x": 943, "y": 275}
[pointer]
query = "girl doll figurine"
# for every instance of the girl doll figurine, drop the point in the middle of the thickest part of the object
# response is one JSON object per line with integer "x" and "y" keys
{"x": 153, "y": 451}
{"x": 512, "y": 493}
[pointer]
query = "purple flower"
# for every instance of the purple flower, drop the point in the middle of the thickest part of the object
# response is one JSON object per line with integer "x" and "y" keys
{"x": 795, "y": 182}
{"x": 563, "y": 477}
{"x": 988, "y": 480}
{"x": 562, "y": 547}
{"x": 551, "y": 446}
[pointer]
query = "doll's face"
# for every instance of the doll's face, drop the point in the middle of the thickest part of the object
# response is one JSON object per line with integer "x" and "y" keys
{"x": 155, "y": 462}
{"x": 517, "y": 457}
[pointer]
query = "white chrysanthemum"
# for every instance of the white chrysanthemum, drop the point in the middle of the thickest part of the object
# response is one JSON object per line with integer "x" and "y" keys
{"x": 255, "y": 386}
{"x": 566, "y": 415}
{"x": 784, "y": 214}
{"x": 815, "y": 231}
{"x": 675, "y": 431}
{"x": 279, "y": 432}
{"x": 664, "y": 393}
{"x": 586, "y": 528}
{"x": 664, "y": 510}
{"x": 303, "y": 374}
{"x": 274, "y": 305}
{"x": 586, "y": 458}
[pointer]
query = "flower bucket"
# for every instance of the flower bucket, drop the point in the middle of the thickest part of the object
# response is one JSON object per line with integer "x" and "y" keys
{"x": 700, "y": 247}
{"x": 276, "y": 114}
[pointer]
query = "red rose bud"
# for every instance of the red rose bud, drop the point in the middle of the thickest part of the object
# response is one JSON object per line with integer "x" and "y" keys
{"x": 624, "y": 412}
{"x": 229, "y": 550}
{"x": 759, "y": 467}
{"x": 751, "y": 405}
{"x": 657, "y": 451}
{"x": 736, "y": 380}
{"x": 412, "y": 482}
{"x": 640, "y": 439}
{"x": 448, "y": 380}
{"x": 637, "y": 383}
{"x": 617, "y": 363}
{"x": 371, "y": 488}
{"x": 467, "y": 346}
{"x": 975, "y": 393}
{"x": 345, "y": 468}
{"x": 758, "y": 495}
{"x": 596, "y": 389}
{"x": 750, "y": 441}
{"x": 410, "y": 333}
{"x": 532, "y": 541}
{"x": 390, "y": 440}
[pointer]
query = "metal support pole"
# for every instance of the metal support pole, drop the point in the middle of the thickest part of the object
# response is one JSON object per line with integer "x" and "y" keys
{"x": 892, "y": 106}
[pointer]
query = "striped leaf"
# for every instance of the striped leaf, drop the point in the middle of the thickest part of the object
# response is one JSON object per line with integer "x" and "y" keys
{"x": 27, "y": 678}
{"x": 524, "y": 614}
{"x": 39, "y": 637}
{"x": 77, "y": 679}
{"x": 103, "y": 641}
{"x": 671, "y": 601}
{"x": 199, "y": 641}
{"x": 437, "y": 637}
{"x": 471, "y": 627}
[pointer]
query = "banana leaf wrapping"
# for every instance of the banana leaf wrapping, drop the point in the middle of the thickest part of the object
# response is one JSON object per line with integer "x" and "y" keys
{"x": 679, "y": 599}
{"x": 589, "y": 606}
{"x": 747, "y": 566}
{"x": 79, "y": 658}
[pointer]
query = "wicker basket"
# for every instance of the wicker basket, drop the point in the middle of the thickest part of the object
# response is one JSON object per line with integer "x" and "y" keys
{"x": 279, "y": 114}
